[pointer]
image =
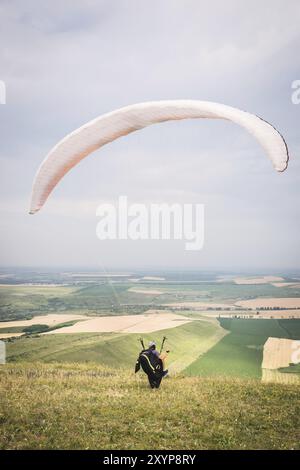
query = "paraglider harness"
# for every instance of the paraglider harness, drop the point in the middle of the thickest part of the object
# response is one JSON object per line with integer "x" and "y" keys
{"x": 151, "y": 364}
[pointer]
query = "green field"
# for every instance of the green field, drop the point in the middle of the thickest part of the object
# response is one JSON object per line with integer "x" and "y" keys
{"x": 239, "y": 354}
{"x": 106, "y": 297}
{"x": 69, "y": 406}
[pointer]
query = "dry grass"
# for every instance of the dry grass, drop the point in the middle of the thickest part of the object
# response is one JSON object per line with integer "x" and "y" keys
{"x": 92, "y": 407}
{"x": 278, "y": 352}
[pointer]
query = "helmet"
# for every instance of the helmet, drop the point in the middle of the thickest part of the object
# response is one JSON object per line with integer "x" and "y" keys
{"x": 152, "y": 345}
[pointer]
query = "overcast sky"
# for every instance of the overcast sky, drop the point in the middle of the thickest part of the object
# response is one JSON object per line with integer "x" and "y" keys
{"x": 66, "y": 62}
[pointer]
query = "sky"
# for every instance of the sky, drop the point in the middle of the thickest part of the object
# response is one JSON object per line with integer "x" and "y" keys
{"x": 66, "y": 62}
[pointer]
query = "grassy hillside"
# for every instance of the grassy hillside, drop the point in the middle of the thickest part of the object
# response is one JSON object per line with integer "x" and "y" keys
{"x": 116, "y": 349}
{"x": 234, "y": 356}
{"x": 233, "y": 347}
{"x": 71, "y": 406}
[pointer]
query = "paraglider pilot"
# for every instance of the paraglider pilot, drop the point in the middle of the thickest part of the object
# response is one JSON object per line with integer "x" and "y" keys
{"x": 152, "y": 363}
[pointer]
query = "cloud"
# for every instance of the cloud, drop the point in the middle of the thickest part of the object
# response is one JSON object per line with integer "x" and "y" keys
{"x": 67, "y": 62}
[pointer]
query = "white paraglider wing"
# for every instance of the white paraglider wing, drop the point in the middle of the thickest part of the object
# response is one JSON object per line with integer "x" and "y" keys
{"x": 108, "y": 127}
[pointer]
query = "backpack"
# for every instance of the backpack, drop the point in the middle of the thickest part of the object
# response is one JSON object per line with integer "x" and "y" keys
{"x": 150, "y": 363}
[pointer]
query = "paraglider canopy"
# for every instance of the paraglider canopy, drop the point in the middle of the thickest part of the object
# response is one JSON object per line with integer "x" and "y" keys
{"x": 108, "y": 127}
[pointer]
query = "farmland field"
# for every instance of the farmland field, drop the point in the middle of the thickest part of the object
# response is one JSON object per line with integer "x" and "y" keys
{"x": 215, "y": 394}
{"x": 56, "y": 293}
{"x": 205, "y": 346}
{"x": 240, "y": 353}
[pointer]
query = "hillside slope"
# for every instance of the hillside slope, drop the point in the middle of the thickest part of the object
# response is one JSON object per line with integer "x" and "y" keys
{"x": 186, "y": 342}
{"x": 78, "y": 406}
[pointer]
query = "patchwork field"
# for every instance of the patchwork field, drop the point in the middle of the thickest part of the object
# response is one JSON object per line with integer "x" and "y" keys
{"x": 287, "y": 302}
{"x": 152, "y": 320}
{"x": 100, "y": 295}
{"x": 240, "y": 353}
{"x": 98, "y": 318}
{"x": 80, "y": 341}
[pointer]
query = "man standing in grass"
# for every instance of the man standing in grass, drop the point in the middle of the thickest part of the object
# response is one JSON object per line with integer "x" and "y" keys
{"x": 152, "y": 363}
